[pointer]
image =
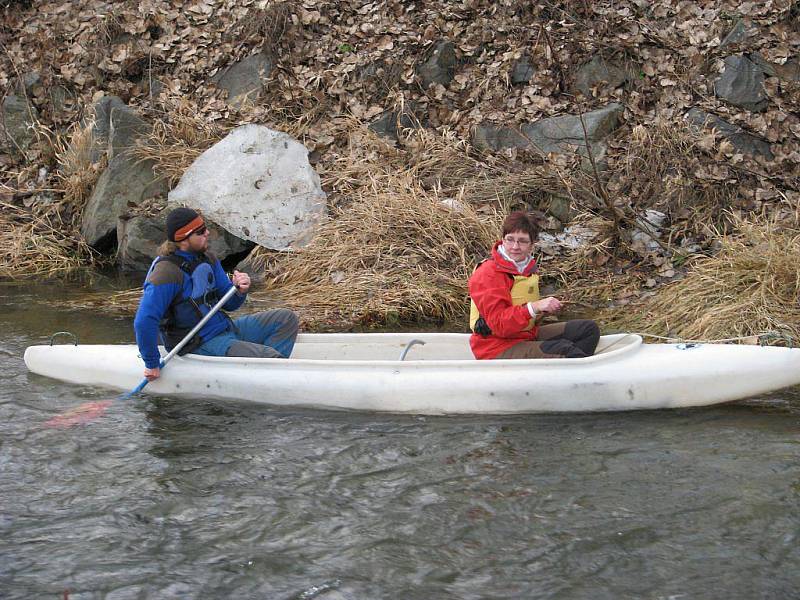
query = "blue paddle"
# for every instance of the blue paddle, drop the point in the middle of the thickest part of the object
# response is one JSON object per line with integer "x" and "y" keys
{"x": 179, "y": 346}
{"x": 90, "y": 410}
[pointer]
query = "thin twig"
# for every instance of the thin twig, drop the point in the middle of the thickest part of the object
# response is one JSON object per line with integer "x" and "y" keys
{"x": 616, "y": 213}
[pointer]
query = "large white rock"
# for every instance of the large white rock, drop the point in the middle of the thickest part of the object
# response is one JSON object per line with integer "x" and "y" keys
{"x": 258, "y": 184}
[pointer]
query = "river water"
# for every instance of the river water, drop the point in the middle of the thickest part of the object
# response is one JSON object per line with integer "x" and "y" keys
{"x": 163, "y": 498}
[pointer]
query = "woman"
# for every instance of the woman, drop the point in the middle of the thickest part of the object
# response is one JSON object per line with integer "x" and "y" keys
{"x": 506, "y": 307}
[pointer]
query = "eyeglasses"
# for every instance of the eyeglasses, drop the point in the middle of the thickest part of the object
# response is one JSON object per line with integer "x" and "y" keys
{"x": 521, "y": 242}
{"x": 199, "y": 231}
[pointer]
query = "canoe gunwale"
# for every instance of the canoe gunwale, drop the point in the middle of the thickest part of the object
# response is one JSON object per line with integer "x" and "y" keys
{"x": 603, "y": 356}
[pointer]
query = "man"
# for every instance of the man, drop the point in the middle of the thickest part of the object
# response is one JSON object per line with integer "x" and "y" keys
{"x": 182, "y": 285}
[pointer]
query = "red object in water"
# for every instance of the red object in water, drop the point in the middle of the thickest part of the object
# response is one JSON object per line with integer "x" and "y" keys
{"x": 80, "y": 414}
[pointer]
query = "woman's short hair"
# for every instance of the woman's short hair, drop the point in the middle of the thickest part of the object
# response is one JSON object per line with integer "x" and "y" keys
{"x": 519, "y": 220}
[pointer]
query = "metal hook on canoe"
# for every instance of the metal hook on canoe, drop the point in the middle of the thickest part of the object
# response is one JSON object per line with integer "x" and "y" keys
{"x": 413, "y": 342}
{"x": 69, "y": 333}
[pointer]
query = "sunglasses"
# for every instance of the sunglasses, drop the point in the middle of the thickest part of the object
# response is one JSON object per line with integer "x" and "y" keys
{"x": 199, "y": 231}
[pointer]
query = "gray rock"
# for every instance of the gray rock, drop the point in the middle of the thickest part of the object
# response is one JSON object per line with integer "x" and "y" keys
{"x": 496, "y": 138}
{"x": 789, "y": 71}
{"x": 244, "y": 80}
{"x": 554, "y": 133}
{"x": 29, "y": 83}
{"x": 522, "y": 72}
{"x": 125, "y": 127}
{"x": 744, "y": 142}
{"x": 557, "y": 134}
{"x": 254, "y": 265}
{"x": 742, "y": 84}
{"x": 388, "y": 123}
{"x": 258, "y": 184}
{"x": 60, "y": 98}
{"x": 440, "y": 66}
{"x": 125, "y": 182}
{"x": 737, "y": 35}
{"x": 115, "y": 129}
{"x": 19, "y": 118}
{"x": 139, "y": 237}
{"x": 101, "y": 128}
{"x": 597, "y": 71}
{"x": 561, "y": 208}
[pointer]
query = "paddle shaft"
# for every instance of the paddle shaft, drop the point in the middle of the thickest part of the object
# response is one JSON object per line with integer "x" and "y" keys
{"x": 179, "y": 346}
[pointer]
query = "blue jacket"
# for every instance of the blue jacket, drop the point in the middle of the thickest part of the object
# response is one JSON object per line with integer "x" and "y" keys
{"x": 166, "y": 282}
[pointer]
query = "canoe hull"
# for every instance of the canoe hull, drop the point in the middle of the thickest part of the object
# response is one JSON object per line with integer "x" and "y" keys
{"x": 633, "y": 376}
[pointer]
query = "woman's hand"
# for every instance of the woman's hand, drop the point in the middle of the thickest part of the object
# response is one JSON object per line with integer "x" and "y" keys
{"x": 547, "y": 305}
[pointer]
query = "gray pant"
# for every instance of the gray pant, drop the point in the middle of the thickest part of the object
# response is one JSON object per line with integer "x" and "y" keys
{"x": 565, "y": 339}
{"x": 268, "y": 334}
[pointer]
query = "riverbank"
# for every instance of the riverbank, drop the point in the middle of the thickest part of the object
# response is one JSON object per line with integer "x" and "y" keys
{"x": 427, "y": 123}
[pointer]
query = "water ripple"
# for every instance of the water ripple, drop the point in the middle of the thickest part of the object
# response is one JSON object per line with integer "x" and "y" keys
{"x": 163, "y": 498}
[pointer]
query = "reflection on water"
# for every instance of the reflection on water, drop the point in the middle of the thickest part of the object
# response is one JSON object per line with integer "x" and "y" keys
{"x": 173, "y": 499}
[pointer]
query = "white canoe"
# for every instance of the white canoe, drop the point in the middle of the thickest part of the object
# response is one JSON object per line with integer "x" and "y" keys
{"x": 366, "y": 372}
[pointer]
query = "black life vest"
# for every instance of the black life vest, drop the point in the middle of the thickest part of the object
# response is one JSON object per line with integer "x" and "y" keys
{"x": 184, "y": 313}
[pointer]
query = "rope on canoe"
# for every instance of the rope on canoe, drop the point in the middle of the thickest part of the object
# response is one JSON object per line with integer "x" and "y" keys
{"x": 763, "y": 338}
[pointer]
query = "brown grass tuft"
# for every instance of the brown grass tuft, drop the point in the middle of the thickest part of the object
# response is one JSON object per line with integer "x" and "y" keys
{"x": 673, "y": 169}
{"x": 37, "y": 246}
{"x": 264, "y": 26}
{"x": 749, "y": 287}
{"x": 77, "y": 173}
{"x": 396, "y": 254}
{"x": 180, "y": 134}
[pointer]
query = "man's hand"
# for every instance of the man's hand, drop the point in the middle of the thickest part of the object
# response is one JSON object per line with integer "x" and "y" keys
{"x": 152, "y": 374}
{"x": 241, "y": 281}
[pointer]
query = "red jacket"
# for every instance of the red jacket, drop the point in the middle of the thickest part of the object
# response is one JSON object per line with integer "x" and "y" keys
{"x": 490, "y": 288}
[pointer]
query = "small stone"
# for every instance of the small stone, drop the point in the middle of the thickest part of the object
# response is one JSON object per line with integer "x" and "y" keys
{"x": 522, "y": 72}
{"x": 440, "y": 67}
{"x": 742, "y": 84}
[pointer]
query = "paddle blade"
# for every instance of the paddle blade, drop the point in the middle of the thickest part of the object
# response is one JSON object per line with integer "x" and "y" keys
{"x": 80, "y": 414}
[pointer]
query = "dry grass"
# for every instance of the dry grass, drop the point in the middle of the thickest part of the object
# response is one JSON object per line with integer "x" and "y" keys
{"x": 581, "y": 274}
{"x": 35, "y": 246}
{"x": 180, "y": 134}
{"x": 749, "y": 287}
{"x": 673, "y": 169}
{"x": 452, "y": 166}
{"x": 396, "y": 249}
{"x": 44, "y": 239}
{"x": 77, "y": 173}
{"x": 264, "y": 26}
{"x": 395, "y": 254}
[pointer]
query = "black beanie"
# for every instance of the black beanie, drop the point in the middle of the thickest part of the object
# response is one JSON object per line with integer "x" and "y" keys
{"x": 178, "y": 218}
